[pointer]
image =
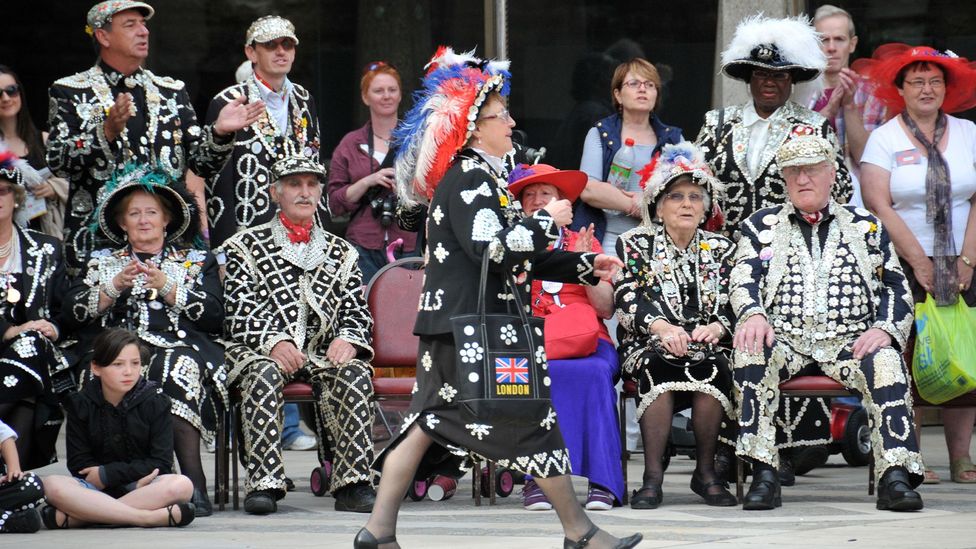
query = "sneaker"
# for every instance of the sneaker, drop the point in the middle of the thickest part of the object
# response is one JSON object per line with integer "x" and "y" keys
{"x": 598, "y": 499}
{"x": 302, "y": 442}
{"x": 533, "y": 498}
{"x": 27, "y": 521}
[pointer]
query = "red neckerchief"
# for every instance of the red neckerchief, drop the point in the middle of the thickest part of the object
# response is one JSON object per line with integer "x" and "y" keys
{"x": 297, "y": 233}
{"x": 269, "y": 86}
{"x": 813, "y": 218}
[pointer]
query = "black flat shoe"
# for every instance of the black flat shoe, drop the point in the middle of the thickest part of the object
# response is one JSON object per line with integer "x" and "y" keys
{"x": 652, "y": 497}
{"x": 808, "y": 458}
{"x": 49, "y": 516}
{"x": 624, "y": 543}
{"x": 764, "y": 493}
{"x": 202, "y": 503}
{"x": 187, "y": 514}
{"x": 261, "y": 502}
{"x": 366, "y": 540}
{"x": 721, "y": 499}
{"x": 895, "y": 492}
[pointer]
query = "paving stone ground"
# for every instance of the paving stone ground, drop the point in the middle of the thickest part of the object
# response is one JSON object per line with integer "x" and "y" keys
{"x": 828, "y": 507}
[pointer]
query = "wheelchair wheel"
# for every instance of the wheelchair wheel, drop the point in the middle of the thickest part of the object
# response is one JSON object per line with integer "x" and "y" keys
{"x": 504, "y": 482}
{"x": 857, "y": 439}
{"x": 417, "y": 490}
{"x": 319, "y": 479}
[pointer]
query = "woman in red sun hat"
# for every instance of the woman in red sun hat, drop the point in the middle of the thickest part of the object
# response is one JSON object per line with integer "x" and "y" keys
{"x": 919, "y": 178}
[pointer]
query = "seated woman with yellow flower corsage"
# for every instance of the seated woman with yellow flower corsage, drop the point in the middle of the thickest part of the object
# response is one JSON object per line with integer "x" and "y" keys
{"x": 160, "y": 285}
{"x": 673, "y": 305}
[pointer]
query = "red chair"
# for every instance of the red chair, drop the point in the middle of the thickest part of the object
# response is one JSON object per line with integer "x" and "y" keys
{"x": 392, "y": 296}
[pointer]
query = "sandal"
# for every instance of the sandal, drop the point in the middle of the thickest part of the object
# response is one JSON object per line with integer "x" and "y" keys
{"x": 623, "y": 543}
{"x": 49, "y": 516}
{"x": 958, "y": 467}
{"x": 187, "y": 514}
{"x": 931, "y": 477}
{"x": 724, "y": 498}
{"x": 648, "y": 497}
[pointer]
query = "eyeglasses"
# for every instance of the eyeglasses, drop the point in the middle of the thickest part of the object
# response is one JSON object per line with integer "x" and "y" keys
{"x": 503, "y": 116}
{"x": 6, "y": 189}
{"x": 811, "y": 171}
{"x": 638, "y": 84}
{"x": 376, "y": 65}
{"x": 12, "y": 91}
{"x": 775, "y": 76}
{"x": 935, "y": 83}
{"x": 678, "y": 198}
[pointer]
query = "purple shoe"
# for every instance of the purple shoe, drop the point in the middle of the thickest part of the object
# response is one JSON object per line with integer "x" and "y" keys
{"x": 598, "y": 499}
{"x": 533, "y": 499}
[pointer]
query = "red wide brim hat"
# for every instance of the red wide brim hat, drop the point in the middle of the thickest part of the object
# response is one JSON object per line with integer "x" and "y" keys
{"x": 889, "y": 59}
{"x": 569, "y": 182}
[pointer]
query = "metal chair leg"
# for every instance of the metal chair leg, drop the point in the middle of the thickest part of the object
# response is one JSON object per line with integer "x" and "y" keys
{"x": 232, "y": 432}
{"x": 476, "y": 482}
{"x": 491, "y": 482}
{"x": 220, "y": 467}
{"x": 739, "y": 478}
{"x": 624, "y": 453}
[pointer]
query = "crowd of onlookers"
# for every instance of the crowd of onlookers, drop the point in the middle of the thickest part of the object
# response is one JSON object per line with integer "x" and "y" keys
{"x": 134, "y": 317}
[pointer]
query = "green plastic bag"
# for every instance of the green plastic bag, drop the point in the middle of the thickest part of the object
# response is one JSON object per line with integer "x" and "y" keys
{"x": 944, "y": 365}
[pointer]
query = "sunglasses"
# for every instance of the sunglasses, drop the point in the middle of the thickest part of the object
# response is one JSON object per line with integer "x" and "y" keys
{"x": 376, "y": 65}
{"x": 12, "y": 91}
{"x": 6, "y": 189}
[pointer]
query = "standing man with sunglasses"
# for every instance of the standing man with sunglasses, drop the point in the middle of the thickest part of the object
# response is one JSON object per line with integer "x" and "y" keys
{"x": 117, "y": 112}
{"x": 740, "y": 144}
{"x": 287, "y": 126}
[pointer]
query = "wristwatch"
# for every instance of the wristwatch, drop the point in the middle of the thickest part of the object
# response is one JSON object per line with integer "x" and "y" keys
{"x": 966, "y": 260}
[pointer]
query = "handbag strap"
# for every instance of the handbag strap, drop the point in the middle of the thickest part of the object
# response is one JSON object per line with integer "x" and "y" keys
{"x": 512, "y": 287}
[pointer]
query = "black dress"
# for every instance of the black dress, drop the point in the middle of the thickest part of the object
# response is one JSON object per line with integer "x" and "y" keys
{"x": 473, "y": 213}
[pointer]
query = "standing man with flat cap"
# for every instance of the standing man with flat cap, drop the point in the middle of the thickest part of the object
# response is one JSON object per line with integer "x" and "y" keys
{"x": 237, "y": 196}
{"x": 118, "y": 112}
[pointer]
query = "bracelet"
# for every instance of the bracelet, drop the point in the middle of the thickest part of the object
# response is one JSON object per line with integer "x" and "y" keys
{"x": 167, "y": 287}
{"x": 111, "y": 291}
{"x": 966, "y": 260}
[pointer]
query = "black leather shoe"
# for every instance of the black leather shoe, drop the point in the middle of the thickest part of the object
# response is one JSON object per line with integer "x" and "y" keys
{"x": 895, "y": 492}
{"x": 787, "y": 476}
{"x": 764, "y": 493}
{"x": 721, "y": 499}
{"x": 355, "y": 498}
{"x": 289, "y": 484}
{"x": 202, "y": 503}
{"x": 261, "y": 502}
{"x": 27, "y": 521}
{"x": 49, "y": 516}
{"x": 366, "y": 540}
{"x": 624, "y": 543}
{"x": 649, "y": 496}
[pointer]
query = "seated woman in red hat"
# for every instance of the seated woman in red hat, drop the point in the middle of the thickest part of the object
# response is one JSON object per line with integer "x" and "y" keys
{"x": 919, "y": 177}
{"x": 673, "y": 306}
{"x": 582, "y": 359}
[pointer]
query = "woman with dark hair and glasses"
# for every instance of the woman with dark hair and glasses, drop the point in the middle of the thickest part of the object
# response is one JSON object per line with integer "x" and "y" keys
{"x": 17, "y": 130}
{"x": 358, "y": 186}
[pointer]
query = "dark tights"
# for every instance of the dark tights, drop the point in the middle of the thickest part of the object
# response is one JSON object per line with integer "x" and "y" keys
{"x": 186, "y": 442}
{"x": 20, "y": 417}
{"x": 655, "y": 426}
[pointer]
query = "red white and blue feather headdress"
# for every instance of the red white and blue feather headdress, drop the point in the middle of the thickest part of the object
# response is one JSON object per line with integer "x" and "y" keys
{"x": 442, "y": 118}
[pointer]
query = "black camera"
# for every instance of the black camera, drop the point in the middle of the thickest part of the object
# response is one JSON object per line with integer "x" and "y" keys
{"x": 383, "y": 204}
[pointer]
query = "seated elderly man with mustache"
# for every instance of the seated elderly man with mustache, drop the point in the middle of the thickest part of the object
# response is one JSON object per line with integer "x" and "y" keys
{"x": 818, "y": 283}
{"x": 295, "y": 309}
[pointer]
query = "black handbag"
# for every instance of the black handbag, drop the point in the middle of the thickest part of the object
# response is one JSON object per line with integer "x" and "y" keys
{"x": 501, "y": 362}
